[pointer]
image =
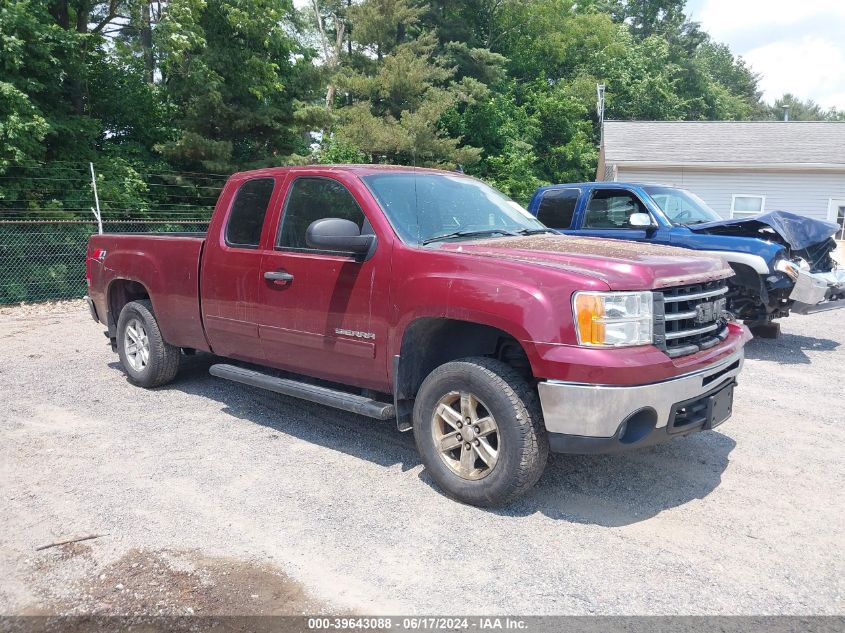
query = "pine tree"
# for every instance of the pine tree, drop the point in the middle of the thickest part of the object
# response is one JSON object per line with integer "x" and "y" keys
{"x": 401, "y": 90}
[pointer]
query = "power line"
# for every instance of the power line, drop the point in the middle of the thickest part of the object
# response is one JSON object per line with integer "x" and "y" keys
{"x": 118, "y": 203}
{"x": 108, "y": 166}
{"x": 151, "y": 184}
{"x": 94, "y": 222}
{"x": 164, "y": 212}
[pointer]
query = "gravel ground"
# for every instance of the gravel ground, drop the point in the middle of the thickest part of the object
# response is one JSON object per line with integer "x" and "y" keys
{"x": 209, "y": 497}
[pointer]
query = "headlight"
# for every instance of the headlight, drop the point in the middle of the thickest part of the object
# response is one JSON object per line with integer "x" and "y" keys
{"x": 613, "y": 319}
{"x": 789, "y": 268}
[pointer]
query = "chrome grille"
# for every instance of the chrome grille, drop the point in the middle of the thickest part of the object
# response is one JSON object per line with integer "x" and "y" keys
{"x": 688, "y": 319}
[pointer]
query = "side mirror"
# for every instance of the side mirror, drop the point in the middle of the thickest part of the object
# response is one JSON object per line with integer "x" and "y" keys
{"x": 336, "y": 234}
{"x": 640, "y": 220}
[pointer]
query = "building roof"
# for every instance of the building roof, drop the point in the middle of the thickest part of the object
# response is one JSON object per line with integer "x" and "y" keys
{"x": 725, "y": 143}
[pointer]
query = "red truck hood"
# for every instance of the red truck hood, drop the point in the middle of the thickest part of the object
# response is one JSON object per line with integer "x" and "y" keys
{"x": 621, "y": 265}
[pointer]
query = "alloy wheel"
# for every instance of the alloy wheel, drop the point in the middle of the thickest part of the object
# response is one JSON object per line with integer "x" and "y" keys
{"x": 136, "y": 344}
{"x": 466, "y": 435}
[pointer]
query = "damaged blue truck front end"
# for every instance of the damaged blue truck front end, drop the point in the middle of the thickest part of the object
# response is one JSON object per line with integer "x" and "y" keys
{"x": 783, "y": 261}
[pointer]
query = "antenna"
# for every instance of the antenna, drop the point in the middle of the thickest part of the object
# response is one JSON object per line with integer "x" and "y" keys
{"x": 600, "y": 109}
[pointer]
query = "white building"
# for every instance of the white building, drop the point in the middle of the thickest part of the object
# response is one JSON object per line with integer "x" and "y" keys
{"x": 739, "y": 168}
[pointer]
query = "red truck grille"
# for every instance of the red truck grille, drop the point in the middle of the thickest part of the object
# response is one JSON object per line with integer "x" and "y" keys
{"x": 690, "y": 318}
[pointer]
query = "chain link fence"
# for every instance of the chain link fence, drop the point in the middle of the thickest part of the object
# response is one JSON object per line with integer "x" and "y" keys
{"x": 49, "y": 210}
{"x": 44, "y": 260}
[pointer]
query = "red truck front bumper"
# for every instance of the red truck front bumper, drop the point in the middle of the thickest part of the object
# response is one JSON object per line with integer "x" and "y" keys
{"x": 600, "y": 418}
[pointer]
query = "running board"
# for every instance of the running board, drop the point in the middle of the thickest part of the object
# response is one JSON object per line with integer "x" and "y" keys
{"x": 313, "y": 393}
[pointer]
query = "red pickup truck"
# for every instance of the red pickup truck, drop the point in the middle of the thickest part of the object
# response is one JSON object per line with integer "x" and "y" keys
{"x": 429, "y": 298}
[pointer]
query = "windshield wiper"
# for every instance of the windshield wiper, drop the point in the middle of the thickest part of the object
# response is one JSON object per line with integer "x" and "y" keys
{"x": 455, "y": 234}
{"x": 534, "y": 231}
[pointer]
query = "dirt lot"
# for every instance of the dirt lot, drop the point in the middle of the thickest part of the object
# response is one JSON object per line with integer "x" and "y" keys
{"x": 209, "y": 497}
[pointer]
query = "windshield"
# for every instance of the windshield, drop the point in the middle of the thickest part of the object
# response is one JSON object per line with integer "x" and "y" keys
{"x": 682, "y": 207}
{"x": 426, "y": 207}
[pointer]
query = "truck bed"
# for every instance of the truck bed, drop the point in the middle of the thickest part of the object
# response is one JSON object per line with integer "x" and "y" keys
{"x": 167, "y": 265}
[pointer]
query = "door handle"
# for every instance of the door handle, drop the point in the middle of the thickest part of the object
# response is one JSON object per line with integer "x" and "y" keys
{"x": 278, "y": 276}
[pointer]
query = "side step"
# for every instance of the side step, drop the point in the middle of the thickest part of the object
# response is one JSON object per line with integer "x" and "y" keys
{"x": 313, "y": 393}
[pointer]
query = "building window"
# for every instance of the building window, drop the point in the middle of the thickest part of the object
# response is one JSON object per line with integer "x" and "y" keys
{"x": 836, "y": 213}
{"x": 745, "y": 205}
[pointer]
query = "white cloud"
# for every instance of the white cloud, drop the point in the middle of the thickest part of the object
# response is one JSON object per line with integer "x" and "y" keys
{"x": 726, "y": 18}
{"x": 810, "y": 67}
{"x": 796, "y": 47}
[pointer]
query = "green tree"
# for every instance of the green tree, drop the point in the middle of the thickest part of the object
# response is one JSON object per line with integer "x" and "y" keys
{"x": 800, "y": 110}
{"x": 331, "y": 26}
{"x": 401, "y": 90}
{"x": 651, "y": 17}
{"x": 232, "y": 73}
{"x": 37, "y": 56}
{"x": 478, "y": 24}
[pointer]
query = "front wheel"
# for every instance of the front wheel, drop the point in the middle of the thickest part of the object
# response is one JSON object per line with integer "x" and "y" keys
{"x": 479, "y": 431}
{"x": 147, "y": 359}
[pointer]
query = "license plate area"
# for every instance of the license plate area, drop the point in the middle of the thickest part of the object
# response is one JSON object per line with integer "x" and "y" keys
{"x": 721, "y": 406}
{"x": 704, "y": 412}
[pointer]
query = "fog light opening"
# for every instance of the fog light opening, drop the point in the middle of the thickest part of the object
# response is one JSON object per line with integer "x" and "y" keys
{"x": 637, "y": 425}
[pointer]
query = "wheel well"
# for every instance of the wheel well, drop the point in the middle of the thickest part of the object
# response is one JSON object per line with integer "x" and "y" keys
{"x": 430, "y": 342}
{"x": 749, "y": 298}
{"x": 121, "y": 292}
{"x": 745, "y": 276}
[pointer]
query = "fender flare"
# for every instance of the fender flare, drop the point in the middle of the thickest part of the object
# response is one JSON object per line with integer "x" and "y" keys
{"x": 755, "y": 262}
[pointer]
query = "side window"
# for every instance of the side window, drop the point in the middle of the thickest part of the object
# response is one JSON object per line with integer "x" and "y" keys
{"x": 557, "y": 207}
{"x": 313, "y": 199}
{"x": 611, "y": 208}
{"x": 248, "y": 211}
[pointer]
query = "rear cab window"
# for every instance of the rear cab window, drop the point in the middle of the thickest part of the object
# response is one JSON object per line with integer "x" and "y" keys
{"x": 557, "y": 207}
{"x": 246, "y": 219}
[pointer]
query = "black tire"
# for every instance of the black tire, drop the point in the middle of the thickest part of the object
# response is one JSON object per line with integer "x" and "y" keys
{"x": 522, "y": 443}
{"x": 163, "y": 359}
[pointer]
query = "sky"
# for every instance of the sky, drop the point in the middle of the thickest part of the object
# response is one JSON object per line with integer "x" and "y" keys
{"x": 797, "y": 47}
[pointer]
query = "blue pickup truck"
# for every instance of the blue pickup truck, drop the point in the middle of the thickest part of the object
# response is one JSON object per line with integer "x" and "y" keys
{"x": 782, "y": 261}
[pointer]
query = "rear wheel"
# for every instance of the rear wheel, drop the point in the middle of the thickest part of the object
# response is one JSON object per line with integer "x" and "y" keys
{"x": 479, "y": 431}
{"x": 147, "y": 359}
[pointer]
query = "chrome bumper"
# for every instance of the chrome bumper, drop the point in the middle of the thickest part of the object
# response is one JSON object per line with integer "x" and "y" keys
{"x": 818, "y": 292}
{"x": 597, "y": 411}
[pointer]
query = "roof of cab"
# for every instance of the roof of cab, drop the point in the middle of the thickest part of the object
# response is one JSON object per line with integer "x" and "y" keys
{"x": 358, "y": 170}
{"x": 603, "y": 184}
